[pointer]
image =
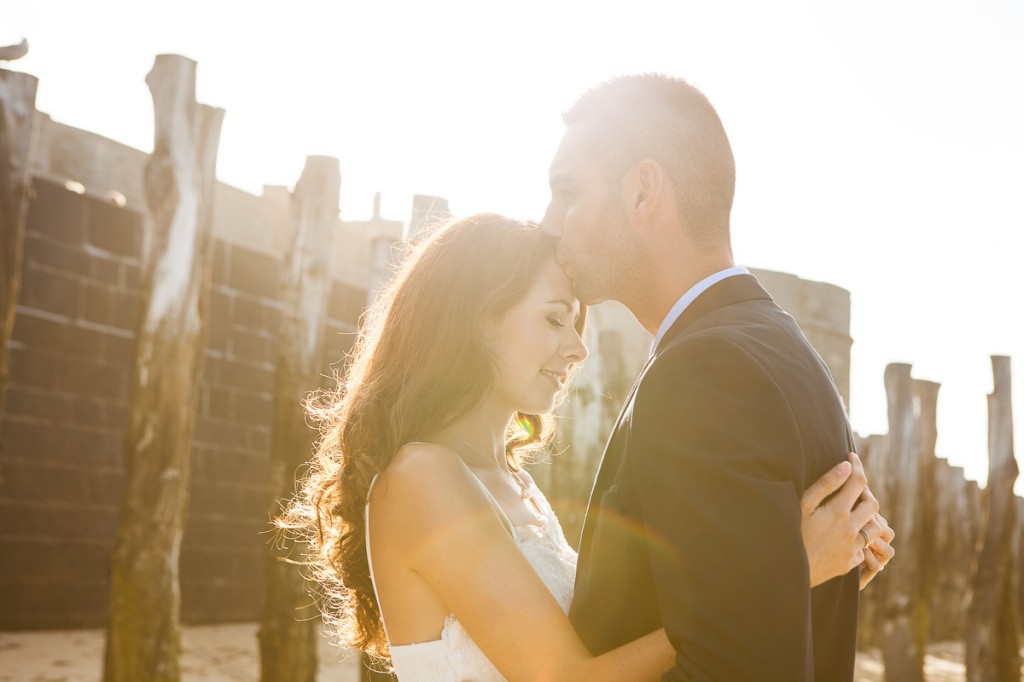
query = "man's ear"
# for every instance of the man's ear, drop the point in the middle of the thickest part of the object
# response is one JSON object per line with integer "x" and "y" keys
{"x": 644, "y": 184}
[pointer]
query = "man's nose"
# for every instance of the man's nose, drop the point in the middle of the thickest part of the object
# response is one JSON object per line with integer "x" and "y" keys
{"x": 549, "y": 223}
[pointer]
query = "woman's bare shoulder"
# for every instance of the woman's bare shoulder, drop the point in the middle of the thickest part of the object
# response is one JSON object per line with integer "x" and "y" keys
{"x": 421, "y": 462}
{"x": 424, "y": 479}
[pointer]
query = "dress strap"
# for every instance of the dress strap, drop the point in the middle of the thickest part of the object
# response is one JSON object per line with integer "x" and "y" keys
{"x": 497, "y": 507}
{"x": 369, "y": 554}
{"x": 494, "y": 502}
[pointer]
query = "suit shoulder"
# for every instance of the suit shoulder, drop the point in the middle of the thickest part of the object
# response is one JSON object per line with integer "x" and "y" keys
{"x": 702, "y": 350}
{"x": 710, "y": 372}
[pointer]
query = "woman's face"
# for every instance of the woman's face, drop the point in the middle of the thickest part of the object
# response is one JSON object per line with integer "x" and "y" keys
{"x": 536, "y": 342}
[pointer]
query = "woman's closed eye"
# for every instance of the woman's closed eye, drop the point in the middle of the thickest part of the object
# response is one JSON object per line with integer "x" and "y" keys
{"x": 555, "y": 322}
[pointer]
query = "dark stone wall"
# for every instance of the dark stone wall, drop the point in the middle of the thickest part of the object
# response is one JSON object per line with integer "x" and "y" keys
{"x": 62, "y": 437}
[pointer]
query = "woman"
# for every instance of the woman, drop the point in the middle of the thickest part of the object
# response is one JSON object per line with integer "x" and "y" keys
{"x": 419, "y": 516}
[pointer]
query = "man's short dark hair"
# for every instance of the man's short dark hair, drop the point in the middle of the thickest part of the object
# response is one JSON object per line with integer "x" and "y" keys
{"x": 670, "y": 121}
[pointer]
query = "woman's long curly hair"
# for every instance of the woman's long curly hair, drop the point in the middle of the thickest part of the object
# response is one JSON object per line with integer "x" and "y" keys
{"x": 419, "y": 364}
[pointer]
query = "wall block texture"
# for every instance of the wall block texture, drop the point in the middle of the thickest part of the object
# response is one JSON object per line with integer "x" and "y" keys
{"x": 61, "y": 445}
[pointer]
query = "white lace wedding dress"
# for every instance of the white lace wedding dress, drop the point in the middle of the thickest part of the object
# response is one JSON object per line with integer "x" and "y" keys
{"x": 455, "y": 657}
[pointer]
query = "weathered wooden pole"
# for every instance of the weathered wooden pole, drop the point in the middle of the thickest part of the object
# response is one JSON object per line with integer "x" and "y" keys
{"x": 9, "y": 53}
{"x": 427, "y": 211}
{"x": 904, "y": 659}
{"x": 993, "y": 632}
{"x": 954, "y": 552}
{"x": 381, "y": 256}
{"x": 871, "y": 450}
{"x": 143, "y": 637}
{"x": 289, "y": 625}
{"x": 926, "y": 394}
{"x": 1018, "y": 562}
{"x": 17, "y": 138}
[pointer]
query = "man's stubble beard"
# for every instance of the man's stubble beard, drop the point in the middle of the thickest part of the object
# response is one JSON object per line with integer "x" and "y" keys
{"x": 612, "y": 269}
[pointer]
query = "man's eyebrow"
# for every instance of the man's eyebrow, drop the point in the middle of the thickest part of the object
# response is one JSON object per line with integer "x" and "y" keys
{"x": 559, "y": 180}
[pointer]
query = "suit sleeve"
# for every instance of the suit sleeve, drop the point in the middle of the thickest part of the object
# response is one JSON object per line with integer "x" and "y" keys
{"x": 715, "y": 456}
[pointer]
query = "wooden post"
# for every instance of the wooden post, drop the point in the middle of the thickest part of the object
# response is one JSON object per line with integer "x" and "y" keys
{"x": 993, "y": 632}
{"x": 1018, "y": 551}
{"x": 8, "y": 53}
{"x": 926, "y": 394}
{"x": 426, "y": 212}
{"x": 143, "y": 637}
{"x": 289, "y": 626}
{"x": 17, "y": 141}
{"x": 954, "y": 552}
{"x": 871, "y": 450}
{"x": 904, "y": 659}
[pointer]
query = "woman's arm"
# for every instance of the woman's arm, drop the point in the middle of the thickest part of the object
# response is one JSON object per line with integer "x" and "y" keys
{"x": 451, "y": 536}
{"x": 838, "y": 532}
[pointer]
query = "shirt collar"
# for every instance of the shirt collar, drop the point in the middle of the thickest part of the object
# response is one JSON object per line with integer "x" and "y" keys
{"x": 689, "y": 297}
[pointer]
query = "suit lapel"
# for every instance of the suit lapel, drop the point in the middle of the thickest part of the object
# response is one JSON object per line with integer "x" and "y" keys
{"x": 729, "y": 291}
{"x": 608, "y": 458}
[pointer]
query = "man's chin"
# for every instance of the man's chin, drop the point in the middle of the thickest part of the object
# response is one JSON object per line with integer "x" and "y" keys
{"x": 587, "y": 295}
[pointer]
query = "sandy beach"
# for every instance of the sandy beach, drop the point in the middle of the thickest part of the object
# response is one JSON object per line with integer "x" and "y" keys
{"x": 212, "y": 653}
{"x": 229, "y": 653}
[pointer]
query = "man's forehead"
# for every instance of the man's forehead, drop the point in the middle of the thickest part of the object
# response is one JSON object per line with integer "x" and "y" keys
{"x": 574, "y": 151}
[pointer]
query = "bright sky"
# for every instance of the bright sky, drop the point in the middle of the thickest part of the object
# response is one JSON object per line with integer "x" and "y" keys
{"x": 879, "y": 145}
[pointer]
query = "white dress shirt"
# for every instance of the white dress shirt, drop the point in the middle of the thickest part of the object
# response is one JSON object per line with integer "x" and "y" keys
{"x": 689, "y": 297}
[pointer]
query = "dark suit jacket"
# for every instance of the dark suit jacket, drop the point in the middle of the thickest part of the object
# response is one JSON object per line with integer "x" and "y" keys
{"x": 694, "y": 520}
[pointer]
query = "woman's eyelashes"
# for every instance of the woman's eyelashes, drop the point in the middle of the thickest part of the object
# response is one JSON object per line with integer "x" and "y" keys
{"x": 555, "y": 322}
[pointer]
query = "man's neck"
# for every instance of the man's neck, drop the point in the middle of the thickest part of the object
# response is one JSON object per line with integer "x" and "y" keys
{"x": 668, "y": 283}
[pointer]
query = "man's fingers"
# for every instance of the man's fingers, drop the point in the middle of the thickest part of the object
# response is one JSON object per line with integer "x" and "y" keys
{"x": 832, "y": 481}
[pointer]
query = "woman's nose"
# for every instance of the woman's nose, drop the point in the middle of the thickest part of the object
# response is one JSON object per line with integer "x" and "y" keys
{"x": 575, "y": 350}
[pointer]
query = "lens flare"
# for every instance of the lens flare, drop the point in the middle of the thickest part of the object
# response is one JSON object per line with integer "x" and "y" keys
{"x": 525, "y": 425}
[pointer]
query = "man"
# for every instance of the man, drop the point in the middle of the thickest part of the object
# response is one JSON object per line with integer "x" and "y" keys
{"x": 694, "y": 520}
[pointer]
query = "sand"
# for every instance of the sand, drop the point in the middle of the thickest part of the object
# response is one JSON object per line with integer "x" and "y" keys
{"x": 229, "y": 653}
{"x": 214, "y": 653}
